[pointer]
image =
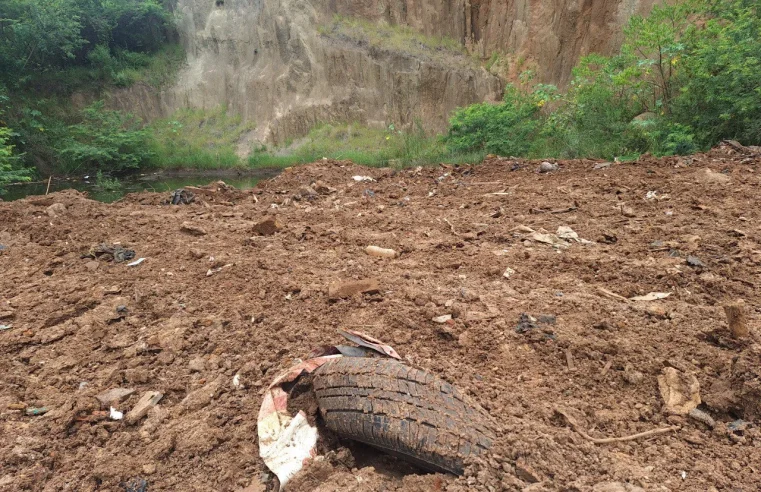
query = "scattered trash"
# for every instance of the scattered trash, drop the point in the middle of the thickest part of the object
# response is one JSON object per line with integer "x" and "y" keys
{"x": 267, "y": 227}
{"x": 680, "y": 391}
{"x": 343, "y": 290}
{"x": 550, "y": 239}
{"x": 565, "y": 232}
{"x": 381, "y": 252}
{"x": 442, "y": 319}
{"x": 651, "y": 195}
{"x": 149, "y": 400}
{"x": 695, "y": 262}
{"x": 192, "y": 229}
{"x": 360, "y": 179}
{"x": 653, "y": 296}
{"x": 136, "y": 262}
{"x": 548, "y": 167}
{"x": 83, "y": 385}
{"x": 109, "y": 252}
{"x": 236, "y": 382}
{"x": 509, "y": 272}
{"x": 115, "y": 414}
{"x": 603, "y": 165}
{"x": 34, "y": 411}
{"x": 3, "y": 247}
{"x": 212, "y": 271}
{"x": 287, "y": 443}
{"x": 182, "y": 197}
{"x": 5, "y": 327}
{"x": 136, "y": 484}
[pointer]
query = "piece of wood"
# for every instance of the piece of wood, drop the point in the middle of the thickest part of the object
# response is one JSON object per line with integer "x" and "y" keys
{"x": 738, "y": 324}
{"x": 49, "y": 180}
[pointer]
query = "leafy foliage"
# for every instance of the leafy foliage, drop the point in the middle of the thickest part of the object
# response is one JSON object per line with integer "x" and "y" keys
{"x": 104, "y": 140}
{"x": 687, "y": 76}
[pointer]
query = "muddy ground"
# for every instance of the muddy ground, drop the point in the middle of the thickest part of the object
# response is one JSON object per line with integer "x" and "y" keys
{"x": 213, "y": 300}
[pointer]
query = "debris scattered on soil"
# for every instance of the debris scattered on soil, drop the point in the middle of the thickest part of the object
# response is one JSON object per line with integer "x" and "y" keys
{"x": 110, "y": 252}
{"x": 149, "y": 400}
{"x": 652, "y": 296}
{"x": 381, "y": 252}
{"x": 182, "y": 197}
{"x": 253, "y": 320}
{"x": 136, "y": 262}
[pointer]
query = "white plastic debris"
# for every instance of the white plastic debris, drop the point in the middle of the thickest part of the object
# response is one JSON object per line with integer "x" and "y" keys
{"x": 653, "y": 296}
{"x": 651, "y": 195}
{"x": 136, "y": 262}
{"x": 360, "y": 179}
{"x": 442, "y": 319}
{"x": 116, "y": 414}
{"x": 508, "y": 272}
{"x": 565, "y": 232}
{"x": 381, "y": 252}
{"x": 236, "y": 381}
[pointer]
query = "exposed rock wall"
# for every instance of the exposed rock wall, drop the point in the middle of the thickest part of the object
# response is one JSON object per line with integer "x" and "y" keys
{"x": 267, "y": 60}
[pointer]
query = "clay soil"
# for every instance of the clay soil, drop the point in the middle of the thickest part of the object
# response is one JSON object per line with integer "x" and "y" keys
{"x": 214, "y": 300}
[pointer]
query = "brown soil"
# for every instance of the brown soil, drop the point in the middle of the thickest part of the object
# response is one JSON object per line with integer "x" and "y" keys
{"x": 205, "y": 307}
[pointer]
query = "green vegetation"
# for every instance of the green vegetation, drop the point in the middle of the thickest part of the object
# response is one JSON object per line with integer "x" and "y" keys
{"x": 366, "y": 146}
{"x": 197, "y": 139}
{"x": 391, "y": 37}
{"x": 687, "y": 76}
{"x": 50, "y": 49}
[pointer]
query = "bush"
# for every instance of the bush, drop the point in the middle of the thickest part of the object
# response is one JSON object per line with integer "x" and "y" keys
{"x": 692, "y": 66}
{"x": 105, "y": 140}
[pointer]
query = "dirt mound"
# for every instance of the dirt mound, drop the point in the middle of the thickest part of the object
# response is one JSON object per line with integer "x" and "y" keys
{"x": 535, "y": 271}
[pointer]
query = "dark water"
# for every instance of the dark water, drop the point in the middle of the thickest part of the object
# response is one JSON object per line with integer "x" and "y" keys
{"x": 158, "y": 182}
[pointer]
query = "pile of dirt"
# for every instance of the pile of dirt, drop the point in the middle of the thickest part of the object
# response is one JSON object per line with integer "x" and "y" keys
{"x": 528, "y": 275}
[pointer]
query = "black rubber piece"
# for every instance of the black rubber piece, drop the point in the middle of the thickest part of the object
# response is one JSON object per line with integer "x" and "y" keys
{"x": 404, "y": 411}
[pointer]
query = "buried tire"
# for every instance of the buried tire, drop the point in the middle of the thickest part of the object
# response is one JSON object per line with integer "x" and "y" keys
{"x": 403, "y": 411}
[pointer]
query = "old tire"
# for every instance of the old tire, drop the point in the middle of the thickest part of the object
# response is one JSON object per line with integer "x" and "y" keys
{"x": 404, "y": 411}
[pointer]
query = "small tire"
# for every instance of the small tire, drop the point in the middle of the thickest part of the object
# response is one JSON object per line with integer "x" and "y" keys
{"x": 403, "y": 411}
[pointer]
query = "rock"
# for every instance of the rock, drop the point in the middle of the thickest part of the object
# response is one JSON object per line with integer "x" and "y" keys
{"x": 149, "y": 469}
{"x": 656, "y": 311}
{"x": 195, "y": 400}
{"x": 347, "y": 289}
{"x": 92, "y": 265}
{"x": 628, "y": 212}
{"x": 695, "y": 262}
{"x": 442, "y": 319}
{"x": 711, "y": 177}
{"x": 56, "y": 209}
{"x": 149, "y": 400}
{"x": 616, "y": 487}
{"x": 680, "y": 391}
{"x": 115, "y": 395}
{"x": 268, "y": 227}
{"x": 197, "y": 365}
{"x": 524, "y": 471}
{"x": 322, "y": 188}
{"x": 632, "y": 376}
{"x": 192, "y": 229}
{"x": 548, "y": 167}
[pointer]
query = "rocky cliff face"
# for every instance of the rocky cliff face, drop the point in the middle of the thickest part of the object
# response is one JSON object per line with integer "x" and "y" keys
{"x": 268, "y": 61}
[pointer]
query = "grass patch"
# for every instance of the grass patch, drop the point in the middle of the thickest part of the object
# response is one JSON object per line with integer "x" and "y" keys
{"x": 392, "y": 37}
{"x": 197, "y": 139}
{"x": 364, "y": 146}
